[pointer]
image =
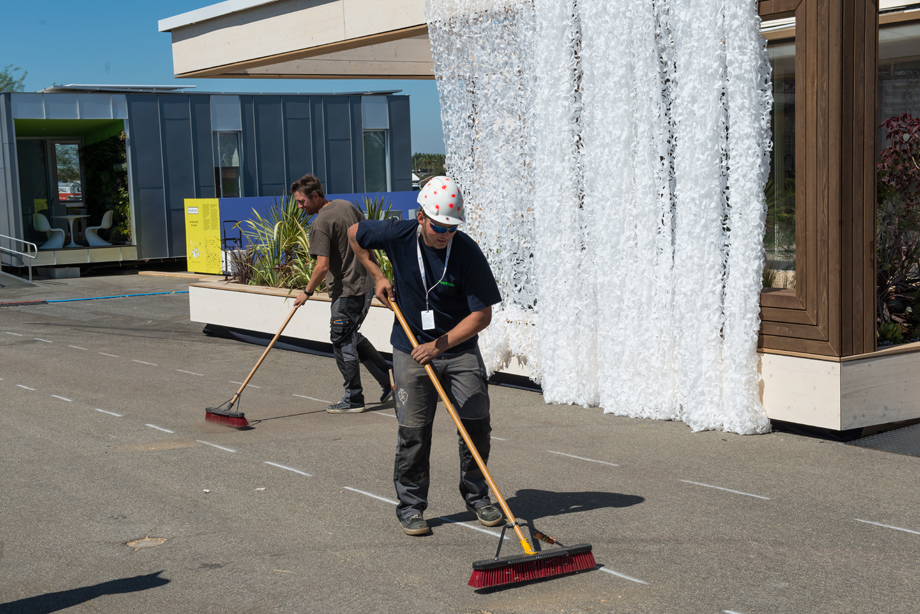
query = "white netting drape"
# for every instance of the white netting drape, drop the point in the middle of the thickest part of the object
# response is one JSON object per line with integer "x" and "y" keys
{"x": 613, "y": 155}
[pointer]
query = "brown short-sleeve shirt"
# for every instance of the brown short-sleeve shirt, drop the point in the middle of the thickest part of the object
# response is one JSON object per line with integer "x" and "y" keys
{"x": 329, "y": 237}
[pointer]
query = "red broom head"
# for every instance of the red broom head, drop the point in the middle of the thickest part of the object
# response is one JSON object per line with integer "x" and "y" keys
{"x": 514, "y": 569}
{"x": 236, "y": 420}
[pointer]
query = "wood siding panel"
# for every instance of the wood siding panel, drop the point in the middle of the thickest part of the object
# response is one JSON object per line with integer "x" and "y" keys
{"x": 787, "y": 316}
{"x": 790, "y": 344}
{"x": 798, "y": 331}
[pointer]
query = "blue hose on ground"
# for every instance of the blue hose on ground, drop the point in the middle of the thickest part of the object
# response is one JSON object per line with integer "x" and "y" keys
{"x": 96, "y": 298}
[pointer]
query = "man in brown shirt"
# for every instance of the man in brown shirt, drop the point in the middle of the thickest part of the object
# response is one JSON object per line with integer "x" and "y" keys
{"x": 350, "y": 287}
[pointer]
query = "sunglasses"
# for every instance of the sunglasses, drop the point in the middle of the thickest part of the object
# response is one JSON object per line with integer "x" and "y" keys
{"x": 440, "y": 229}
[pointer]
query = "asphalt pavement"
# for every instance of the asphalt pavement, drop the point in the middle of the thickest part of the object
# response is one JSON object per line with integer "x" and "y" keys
{"x": 117, "y": 496}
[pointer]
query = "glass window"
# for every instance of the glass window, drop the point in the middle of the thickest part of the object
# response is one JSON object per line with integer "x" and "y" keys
{"x": 32, "y": 156}
{"x": 375, "y": 161}
{"x": 779, "y": 240}
{"x": 227, "y": 176}
{"x": 898, "y": 73}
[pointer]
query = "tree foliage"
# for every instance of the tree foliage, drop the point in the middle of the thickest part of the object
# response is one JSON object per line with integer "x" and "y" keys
{"x": 8, "y": 80}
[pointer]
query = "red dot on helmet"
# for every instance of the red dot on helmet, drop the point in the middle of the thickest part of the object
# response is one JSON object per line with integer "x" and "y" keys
{"x": 453, "y": 196}
{"x": 451, "y": 205}
{"x": 443, "y": 187}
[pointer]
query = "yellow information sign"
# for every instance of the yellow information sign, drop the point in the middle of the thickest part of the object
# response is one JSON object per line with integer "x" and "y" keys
{"x": 202, "y": 235}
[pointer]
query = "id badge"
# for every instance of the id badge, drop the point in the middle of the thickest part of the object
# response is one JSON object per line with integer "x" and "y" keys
{"x": 427, "y": 320}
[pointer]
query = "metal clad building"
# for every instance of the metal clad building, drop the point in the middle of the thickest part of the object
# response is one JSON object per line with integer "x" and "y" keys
{"x": 186, "y": 145}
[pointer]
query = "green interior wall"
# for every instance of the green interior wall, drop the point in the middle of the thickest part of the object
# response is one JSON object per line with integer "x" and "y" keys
{"x": 90, "y": 130}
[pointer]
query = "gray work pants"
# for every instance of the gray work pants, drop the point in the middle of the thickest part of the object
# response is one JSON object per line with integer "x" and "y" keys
{"x": 351, "y": 348}
{"x": 463, "y": 377}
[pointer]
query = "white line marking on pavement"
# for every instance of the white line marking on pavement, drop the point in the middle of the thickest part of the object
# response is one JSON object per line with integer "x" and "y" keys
{"x": 288, "y": 468}
{"x": 380, "y": 413}
{"x": 470, "y": 526}
{"x": 624, "y": 576}
{"x": 390, "y": 501}
{"x": 14, "y": 334}
{"x": 737, "y": 492}
{"x": 45, "y": 340}
{"x": 312, "y": 399}
{"x": 249, "y": 386}
{"x": 499, "y": 438}
{"x": 62, "y": 398}
{"x": 159, "y": 428}
{"x": 215, "y": 445}
{"x": 584, "y": 459}
{"x": 152, "y": 364}
{"x": 887, "y": 526}
{"x": 109, "y": 413}
{"x": 112, "y": 355}
{"x": 729, "y": 612}
{"x": 189, "y": 372}
{"x": 77, "y": 348}
{"x": 26, "y": 387}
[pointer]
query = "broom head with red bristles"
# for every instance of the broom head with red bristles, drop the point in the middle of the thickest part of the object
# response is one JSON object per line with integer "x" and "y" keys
{"x": 224, "y": 415}
{"x": 523, "y": 568}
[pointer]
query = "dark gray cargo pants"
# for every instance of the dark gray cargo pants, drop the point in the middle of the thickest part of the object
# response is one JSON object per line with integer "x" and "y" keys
{"x": 351, "y": 348}
{"x": 463, "y": 377}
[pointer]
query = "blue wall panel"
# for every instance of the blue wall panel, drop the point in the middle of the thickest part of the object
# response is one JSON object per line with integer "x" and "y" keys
{"x": 147, "y": 166}
{"x": 319, "y": 138}
{"x": 270, "y": 145}
{"x": 338, "y": 145}
{"x": 202, "y": 146}
{"x": 357, "y": 145}
{"x": 400, "y": 144}
{"x": 298, "y": 147}
{"x": 178, "y": 168}
{"x": 250, "y": 172}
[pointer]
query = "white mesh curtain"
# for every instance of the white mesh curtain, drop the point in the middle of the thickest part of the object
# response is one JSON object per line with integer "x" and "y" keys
{"x": 613, "y": 155}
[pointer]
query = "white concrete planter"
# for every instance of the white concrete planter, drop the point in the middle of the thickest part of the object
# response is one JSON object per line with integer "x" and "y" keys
{"x": 261, "y": 309}
{"x": 838, "y": 394}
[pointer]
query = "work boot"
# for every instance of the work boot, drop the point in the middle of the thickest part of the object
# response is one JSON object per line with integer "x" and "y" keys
{"x": 487, "y": 514}
{"x": 416, "y": 525}
{"x": 386, "y": 394}
{"x": 344, "y": 407}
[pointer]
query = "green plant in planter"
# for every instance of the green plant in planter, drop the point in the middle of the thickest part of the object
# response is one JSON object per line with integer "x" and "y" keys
{"x": 374, "y": 210}
{"x": 279, "y": 246}
{"x": 890, "y": 332}
{"x": 106, "y": 179}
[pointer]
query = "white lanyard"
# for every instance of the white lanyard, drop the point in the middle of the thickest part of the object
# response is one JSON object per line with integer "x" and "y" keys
{"x": 421, "y": 265}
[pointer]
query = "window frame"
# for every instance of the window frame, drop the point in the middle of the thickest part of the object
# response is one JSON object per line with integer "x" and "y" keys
{"x": 831, "y": 311}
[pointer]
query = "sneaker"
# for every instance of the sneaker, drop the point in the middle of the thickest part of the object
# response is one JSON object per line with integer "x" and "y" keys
{"x": 387, "y": 394}
{"x": 345, "y": 407}
{"x": 487, "y": 514}
{"x": 415, "y": 525}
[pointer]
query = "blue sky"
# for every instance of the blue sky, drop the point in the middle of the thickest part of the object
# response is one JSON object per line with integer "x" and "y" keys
{"x": 107, "y": 42}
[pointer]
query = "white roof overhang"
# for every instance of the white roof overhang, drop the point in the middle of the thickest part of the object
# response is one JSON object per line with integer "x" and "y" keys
{"x": 336, "y": 39}
{"x": 302, "y": 39}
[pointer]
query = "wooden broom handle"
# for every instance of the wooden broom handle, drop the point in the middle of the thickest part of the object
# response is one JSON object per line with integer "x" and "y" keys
{"x": 262, "y": 357}
{"x": 525, "y": 543}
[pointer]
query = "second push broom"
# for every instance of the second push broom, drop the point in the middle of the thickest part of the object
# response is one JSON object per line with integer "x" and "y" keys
{"x": 224, "y": 414}
{"x": 531, "y": 565}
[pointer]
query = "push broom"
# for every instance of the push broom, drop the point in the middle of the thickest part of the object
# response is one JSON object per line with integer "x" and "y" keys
{"x": 532, "y": 565}
{"x": 224, "y": 414}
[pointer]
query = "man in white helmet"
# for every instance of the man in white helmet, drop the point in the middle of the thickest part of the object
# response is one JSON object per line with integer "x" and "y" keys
{"x": 445, "y": 289}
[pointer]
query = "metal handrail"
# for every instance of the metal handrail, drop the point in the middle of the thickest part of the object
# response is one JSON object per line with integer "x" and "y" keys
{"x": 27, "y": 255}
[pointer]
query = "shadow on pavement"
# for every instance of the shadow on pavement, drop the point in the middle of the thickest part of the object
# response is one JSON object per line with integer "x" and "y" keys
{"x": 55, "y": 602}
{"x": 532, "y": 504}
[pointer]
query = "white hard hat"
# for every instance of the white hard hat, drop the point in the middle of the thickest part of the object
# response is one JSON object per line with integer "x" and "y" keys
{"x": 442, "y": 201}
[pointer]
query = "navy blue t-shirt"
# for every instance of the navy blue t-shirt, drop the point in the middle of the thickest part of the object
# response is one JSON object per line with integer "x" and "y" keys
{"x": 468, "y": 283}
